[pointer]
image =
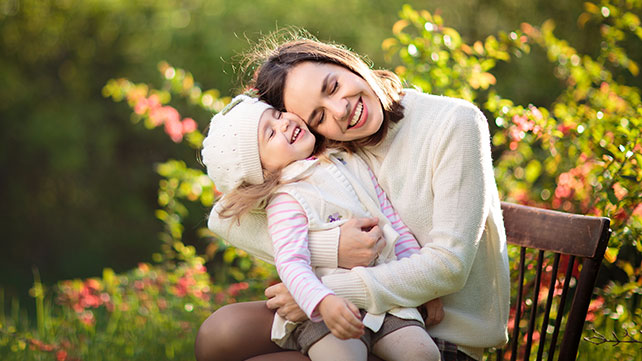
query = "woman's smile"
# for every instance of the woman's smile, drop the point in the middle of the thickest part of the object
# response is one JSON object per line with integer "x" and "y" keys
{"x": 359, "y": 115}
{"x": 333, "y": 100}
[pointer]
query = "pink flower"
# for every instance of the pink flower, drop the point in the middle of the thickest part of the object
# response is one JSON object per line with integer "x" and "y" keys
{"x": 189, "y": 125}
{"x": 235, "y": 288}
{"x": 171, "y": 114}
{"x": 162, "y": 303}
{"x": 139, "y": 285}
{"x": 174, "y": 129}
{"x": 87, "y": 318}
{"x": 92, "y": 284}
{"x": 183, "y": 286}
{"x": 620, "y": 192}
{"x": 536, "y": 113}
{"x": 141, "y": 107}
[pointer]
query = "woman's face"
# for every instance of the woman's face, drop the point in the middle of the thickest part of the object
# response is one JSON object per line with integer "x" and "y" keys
{"x": 332, "y": 100}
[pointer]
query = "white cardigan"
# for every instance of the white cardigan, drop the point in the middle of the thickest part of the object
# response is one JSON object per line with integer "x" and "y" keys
{"x": 330, "y": 192}
{"x": 435, "y": 165}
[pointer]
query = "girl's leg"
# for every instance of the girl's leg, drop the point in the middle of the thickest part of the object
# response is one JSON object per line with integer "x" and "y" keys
{"x": 407, "y": 343}
{"x": 236, "y": 332}
{"x": 333, "y": 349}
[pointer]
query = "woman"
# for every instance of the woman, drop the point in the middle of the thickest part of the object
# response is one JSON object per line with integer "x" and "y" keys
{"x": 431, "y": 154}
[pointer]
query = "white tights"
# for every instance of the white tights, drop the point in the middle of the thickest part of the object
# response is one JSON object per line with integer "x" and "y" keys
{"x": 407, "y": 343}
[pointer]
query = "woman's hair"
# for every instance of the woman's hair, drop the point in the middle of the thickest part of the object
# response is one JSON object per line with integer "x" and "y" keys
{"x": 277, "y": 54}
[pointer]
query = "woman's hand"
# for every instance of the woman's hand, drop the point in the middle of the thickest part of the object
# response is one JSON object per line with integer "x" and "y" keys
{"x": 342, "y": 317}
{"x": 360, "y": 242}
{"x": 280, "y": 299}
{"x": 434, "y": 311}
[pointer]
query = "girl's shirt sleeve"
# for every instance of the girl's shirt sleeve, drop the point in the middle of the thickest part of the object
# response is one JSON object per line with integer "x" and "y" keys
{"x": 406, "y": 244}
{"x": 288, "y": 228}
{"x": 250, "y": 235}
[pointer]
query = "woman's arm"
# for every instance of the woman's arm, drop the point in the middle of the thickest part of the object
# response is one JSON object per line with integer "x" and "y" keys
{"x": 356, "y": 243}
{"x": 460, "y": 176}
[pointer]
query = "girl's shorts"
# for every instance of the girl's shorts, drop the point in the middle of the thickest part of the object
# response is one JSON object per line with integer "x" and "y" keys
{"x": 308, "y": 333}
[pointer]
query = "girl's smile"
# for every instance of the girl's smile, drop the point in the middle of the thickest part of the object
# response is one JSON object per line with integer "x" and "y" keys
{"x": 283, "y": 138}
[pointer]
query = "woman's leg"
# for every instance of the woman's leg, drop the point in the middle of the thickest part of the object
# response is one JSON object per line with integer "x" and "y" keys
{"x": 281, "y": 356}
{"x": 236, "y": 331}
{"x": 331, "y": 348}
{"x": 407, "y": 343}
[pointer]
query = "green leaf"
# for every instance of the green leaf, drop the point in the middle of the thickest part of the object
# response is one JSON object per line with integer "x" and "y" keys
{"x": 611, "y": 195}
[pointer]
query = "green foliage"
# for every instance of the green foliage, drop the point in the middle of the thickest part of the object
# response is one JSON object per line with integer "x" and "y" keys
{"x": 581, "y": 153}
{"x": 151, "y": 312}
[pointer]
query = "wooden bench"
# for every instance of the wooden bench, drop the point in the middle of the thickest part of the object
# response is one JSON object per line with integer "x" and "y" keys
{"x": 547, "y": 240}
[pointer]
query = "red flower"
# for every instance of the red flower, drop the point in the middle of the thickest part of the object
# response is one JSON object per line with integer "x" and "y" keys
{"x": 235, "y": 288}
{"x": 594, "y": 306}
{"x": 41, "y": 346}
{"x": 61, "y": 355}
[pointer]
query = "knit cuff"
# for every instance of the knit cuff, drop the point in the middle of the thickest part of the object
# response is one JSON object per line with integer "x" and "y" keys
{"x": 349, "y": 286}
{"x": 324, "y": 247}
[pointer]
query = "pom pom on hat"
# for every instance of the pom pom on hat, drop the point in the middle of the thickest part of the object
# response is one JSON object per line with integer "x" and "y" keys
{"x": 231, "y": 148}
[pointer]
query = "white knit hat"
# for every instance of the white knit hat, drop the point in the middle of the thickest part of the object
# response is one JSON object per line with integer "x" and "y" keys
{"x": 231, "y": 148}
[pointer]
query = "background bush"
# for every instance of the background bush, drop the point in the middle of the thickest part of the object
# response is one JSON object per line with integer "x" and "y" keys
{"x": 78, "y": 181}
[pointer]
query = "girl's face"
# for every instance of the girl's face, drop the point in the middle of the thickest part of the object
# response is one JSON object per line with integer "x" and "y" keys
{"x": 332, "y": 100}
{"x": 283, "y": 139}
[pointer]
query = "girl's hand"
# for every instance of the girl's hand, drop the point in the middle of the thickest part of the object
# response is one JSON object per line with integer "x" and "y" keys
{"x": 434, "y": 312}
{"x": 280, "y": 299}
{"x": 342, "y": 317}
{"x": 360, "y": 242}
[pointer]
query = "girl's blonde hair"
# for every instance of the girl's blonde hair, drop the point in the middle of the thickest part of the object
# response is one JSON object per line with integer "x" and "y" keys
{"x": 248, "y": 197}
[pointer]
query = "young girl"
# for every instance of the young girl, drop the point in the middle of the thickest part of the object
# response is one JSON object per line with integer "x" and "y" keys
{"x": 260, "y": 157}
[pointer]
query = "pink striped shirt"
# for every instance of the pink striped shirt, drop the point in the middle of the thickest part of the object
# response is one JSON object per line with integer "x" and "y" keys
{"x": 288, "y": 227}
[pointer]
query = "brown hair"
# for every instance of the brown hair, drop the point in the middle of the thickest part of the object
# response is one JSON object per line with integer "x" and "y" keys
{"x": 278, "y": 53}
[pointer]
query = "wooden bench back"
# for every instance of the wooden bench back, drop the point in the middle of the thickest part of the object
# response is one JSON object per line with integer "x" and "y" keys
{"x": 547, "y": 240}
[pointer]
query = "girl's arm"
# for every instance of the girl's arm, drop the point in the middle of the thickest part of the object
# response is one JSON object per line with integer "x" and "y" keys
{"x": 355, "y": 246}
{"x": 287, "y": 225}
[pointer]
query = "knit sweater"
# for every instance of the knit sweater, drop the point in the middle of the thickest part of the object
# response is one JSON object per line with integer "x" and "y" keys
{"x": 435, "y": 165}
{"x": 329, "y": 192}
